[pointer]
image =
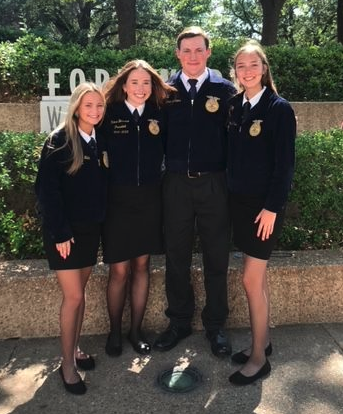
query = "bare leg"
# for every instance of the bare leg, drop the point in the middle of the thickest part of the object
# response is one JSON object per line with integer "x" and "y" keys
{"x": 116, "y": 295}
{"x": 256, "y": 288}
{"x": 73, "y": 299}
{"x": 139, "y": 293}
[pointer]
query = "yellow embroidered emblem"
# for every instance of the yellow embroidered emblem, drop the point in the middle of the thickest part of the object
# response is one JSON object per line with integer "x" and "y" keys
{"x": 153, "y": 126}
{"x": 212, "y": 104}
{"x": 255, "y": 128}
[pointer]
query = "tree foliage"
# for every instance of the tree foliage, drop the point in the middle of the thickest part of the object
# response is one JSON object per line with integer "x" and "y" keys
{"x": 82, "y": 21}
{"x": 340, "y": 21}
{"x": 308, "y": 23}
{"x": 122, "y": 23}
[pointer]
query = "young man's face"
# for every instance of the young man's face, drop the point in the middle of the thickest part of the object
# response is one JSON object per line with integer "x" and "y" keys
{"x": 193, "y": 56}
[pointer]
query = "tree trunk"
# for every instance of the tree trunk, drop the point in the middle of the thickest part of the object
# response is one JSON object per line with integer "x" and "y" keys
{"x": 84, "y": 17}
{"x": 271, "y": 15}
{"x": 126, "y": 13}
{"x": 340, "y": 21}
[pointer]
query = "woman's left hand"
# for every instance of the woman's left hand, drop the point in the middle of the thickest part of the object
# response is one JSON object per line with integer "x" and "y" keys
{"x": 266, "y": 221}
{"x": 64, "y": 248}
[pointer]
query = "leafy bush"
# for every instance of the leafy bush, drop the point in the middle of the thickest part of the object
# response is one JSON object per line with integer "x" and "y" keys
{"x": 24, "y": 66}
{"x": 315, "y": 211}
{"x": 19, "y": 226}
{"x": 308, "y": 74}
{"x": 314, "y": 216}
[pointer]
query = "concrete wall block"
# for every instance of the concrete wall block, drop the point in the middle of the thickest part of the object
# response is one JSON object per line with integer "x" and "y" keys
{"x": 305, "y": 287}
{"x": 312, "y": 116}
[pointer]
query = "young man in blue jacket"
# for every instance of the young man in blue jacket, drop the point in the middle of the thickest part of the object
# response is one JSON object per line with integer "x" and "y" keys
{"x": 195, "y": 193}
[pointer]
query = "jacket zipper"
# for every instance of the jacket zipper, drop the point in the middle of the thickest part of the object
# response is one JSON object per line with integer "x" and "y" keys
{"x": 190, "y": 138}
{"x": 138, "y": 155}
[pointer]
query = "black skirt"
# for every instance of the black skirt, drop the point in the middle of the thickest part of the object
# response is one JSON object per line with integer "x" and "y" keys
{"x": 243, "y": 211}
{"x": 84, "y": 251}
{"x": 133, "y": 224}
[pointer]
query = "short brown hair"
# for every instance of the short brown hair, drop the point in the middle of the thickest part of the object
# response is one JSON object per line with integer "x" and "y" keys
{"x": 190, "y": 32}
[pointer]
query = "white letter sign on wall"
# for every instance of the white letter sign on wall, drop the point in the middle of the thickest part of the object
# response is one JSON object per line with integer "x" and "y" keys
{"x": 101, "y": 76}
{"x": 53, "y": 108}
{"x": 52, "y": 111}
{"x": 76, "y": 73}
{"x": 52, "y": 85}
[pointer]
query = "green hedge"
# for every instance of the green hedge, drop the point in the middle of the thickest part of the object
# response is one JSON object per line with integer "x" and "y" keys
{"x": 19, "y": 226}
{"x": 315, "y": 209}
{"x": 301, "y": 74}
{"x": 314, "y": 216}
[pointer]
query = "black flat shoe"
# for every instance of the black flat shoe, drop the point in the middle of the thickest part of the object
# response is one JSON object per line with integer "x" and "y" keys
{"x": 77, "y": 388}
{"x": 241, "y": 358}
{"x": 86, "y": 364}
{"x": 238, "y": 378}
{"x": 113, "y": 346}
{"x": 220, "y": 345}
{"x": 171, "y": 337}
{"x": 141, "y": 345}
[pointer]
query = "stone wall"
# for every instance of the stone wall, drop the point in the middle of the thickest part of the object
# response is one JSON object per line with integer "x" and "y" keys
{"x": 19, "y": 117}
{"x": 306, "y": 287}
{"x": 312, "y": 116}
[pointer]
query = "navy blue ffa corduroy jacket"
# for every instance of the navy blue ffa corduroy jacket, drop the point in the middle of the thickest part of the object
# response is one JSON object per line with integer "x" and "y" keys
{"x": 135, "y": 149}
{"x": 261, "y": 158}
{"x": 64, "y": 199}
{"x": 195, "y": 138}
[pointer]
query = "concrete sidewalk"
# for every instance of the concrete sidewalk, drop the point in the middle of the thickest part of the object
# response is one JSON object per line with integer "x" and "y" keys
{"x": 306, "y": 378}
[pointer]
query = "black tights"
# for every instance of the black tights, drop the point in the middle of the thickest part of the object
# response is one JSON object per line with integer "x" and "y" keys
{"x": 138, "y": 271}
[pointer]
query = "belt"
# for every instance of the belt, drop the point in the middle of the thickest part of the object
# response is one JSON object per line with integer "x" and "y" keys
{"x": 197, "y": 174}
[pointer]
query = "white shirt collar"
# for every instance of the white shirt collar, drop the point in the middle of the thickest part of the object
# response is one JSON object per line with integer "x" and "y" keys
{"x": 140, "y": 108}
{"x": 201, "y": 79}
{"x": 255, "y": 99}
{"x": 85, "y": 136}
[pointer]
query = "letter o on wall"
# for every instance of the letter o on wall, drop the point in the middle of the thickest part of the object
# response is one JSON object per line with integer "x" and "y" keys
{"x": 76, "y": 74}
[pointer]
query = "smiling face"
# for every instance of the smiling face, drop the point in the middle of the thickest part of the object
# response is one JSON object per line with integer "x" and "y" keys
{"x": 193, "y": 56}
{"x": 138, "y": 87}
{"x": 90, "y": 111}
{"x": 249, "y": 71}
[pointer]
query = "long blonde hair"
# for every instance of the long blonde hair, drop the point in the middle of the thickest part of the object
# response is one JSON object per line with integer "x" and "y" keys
{"x": 252, "y": 46}
{"x": 70, "y": 124}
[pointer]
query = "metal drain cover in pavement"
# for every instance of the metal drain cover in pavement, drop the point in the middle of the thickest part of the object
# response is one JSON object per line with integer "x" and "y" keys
{"x": 178, "y": 381}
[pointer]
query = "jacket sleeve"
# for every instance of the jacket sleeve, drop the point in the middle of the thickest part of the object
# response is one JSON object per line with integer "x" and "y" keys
{"x": 284, "y": 133}
{"x": 48, "y": 187}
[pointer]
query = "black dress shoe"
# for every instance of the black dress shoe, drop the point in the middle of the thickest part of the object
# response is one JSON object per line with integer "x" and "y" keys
{"x": 86, "y": 364}
{"x": 77, "y": 388}
{"x": 238, "y": 378}
{"x": 140, "y": 345}
{"x": 241, "y": 358}
{"x": 171, "y": 337}
{"x": 220, "y": 345}
{"x": 113, "y": 346}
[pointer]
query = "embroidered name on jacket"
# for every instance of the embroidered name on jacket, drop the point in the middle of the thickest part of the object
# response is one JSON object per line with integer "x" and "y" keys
{"x": 120, "y": 126}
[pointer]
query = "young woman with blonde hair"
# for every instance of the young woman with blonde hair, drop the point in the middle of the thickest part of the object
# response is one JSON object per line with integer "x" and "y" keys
{"x": 71, "y": 192}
